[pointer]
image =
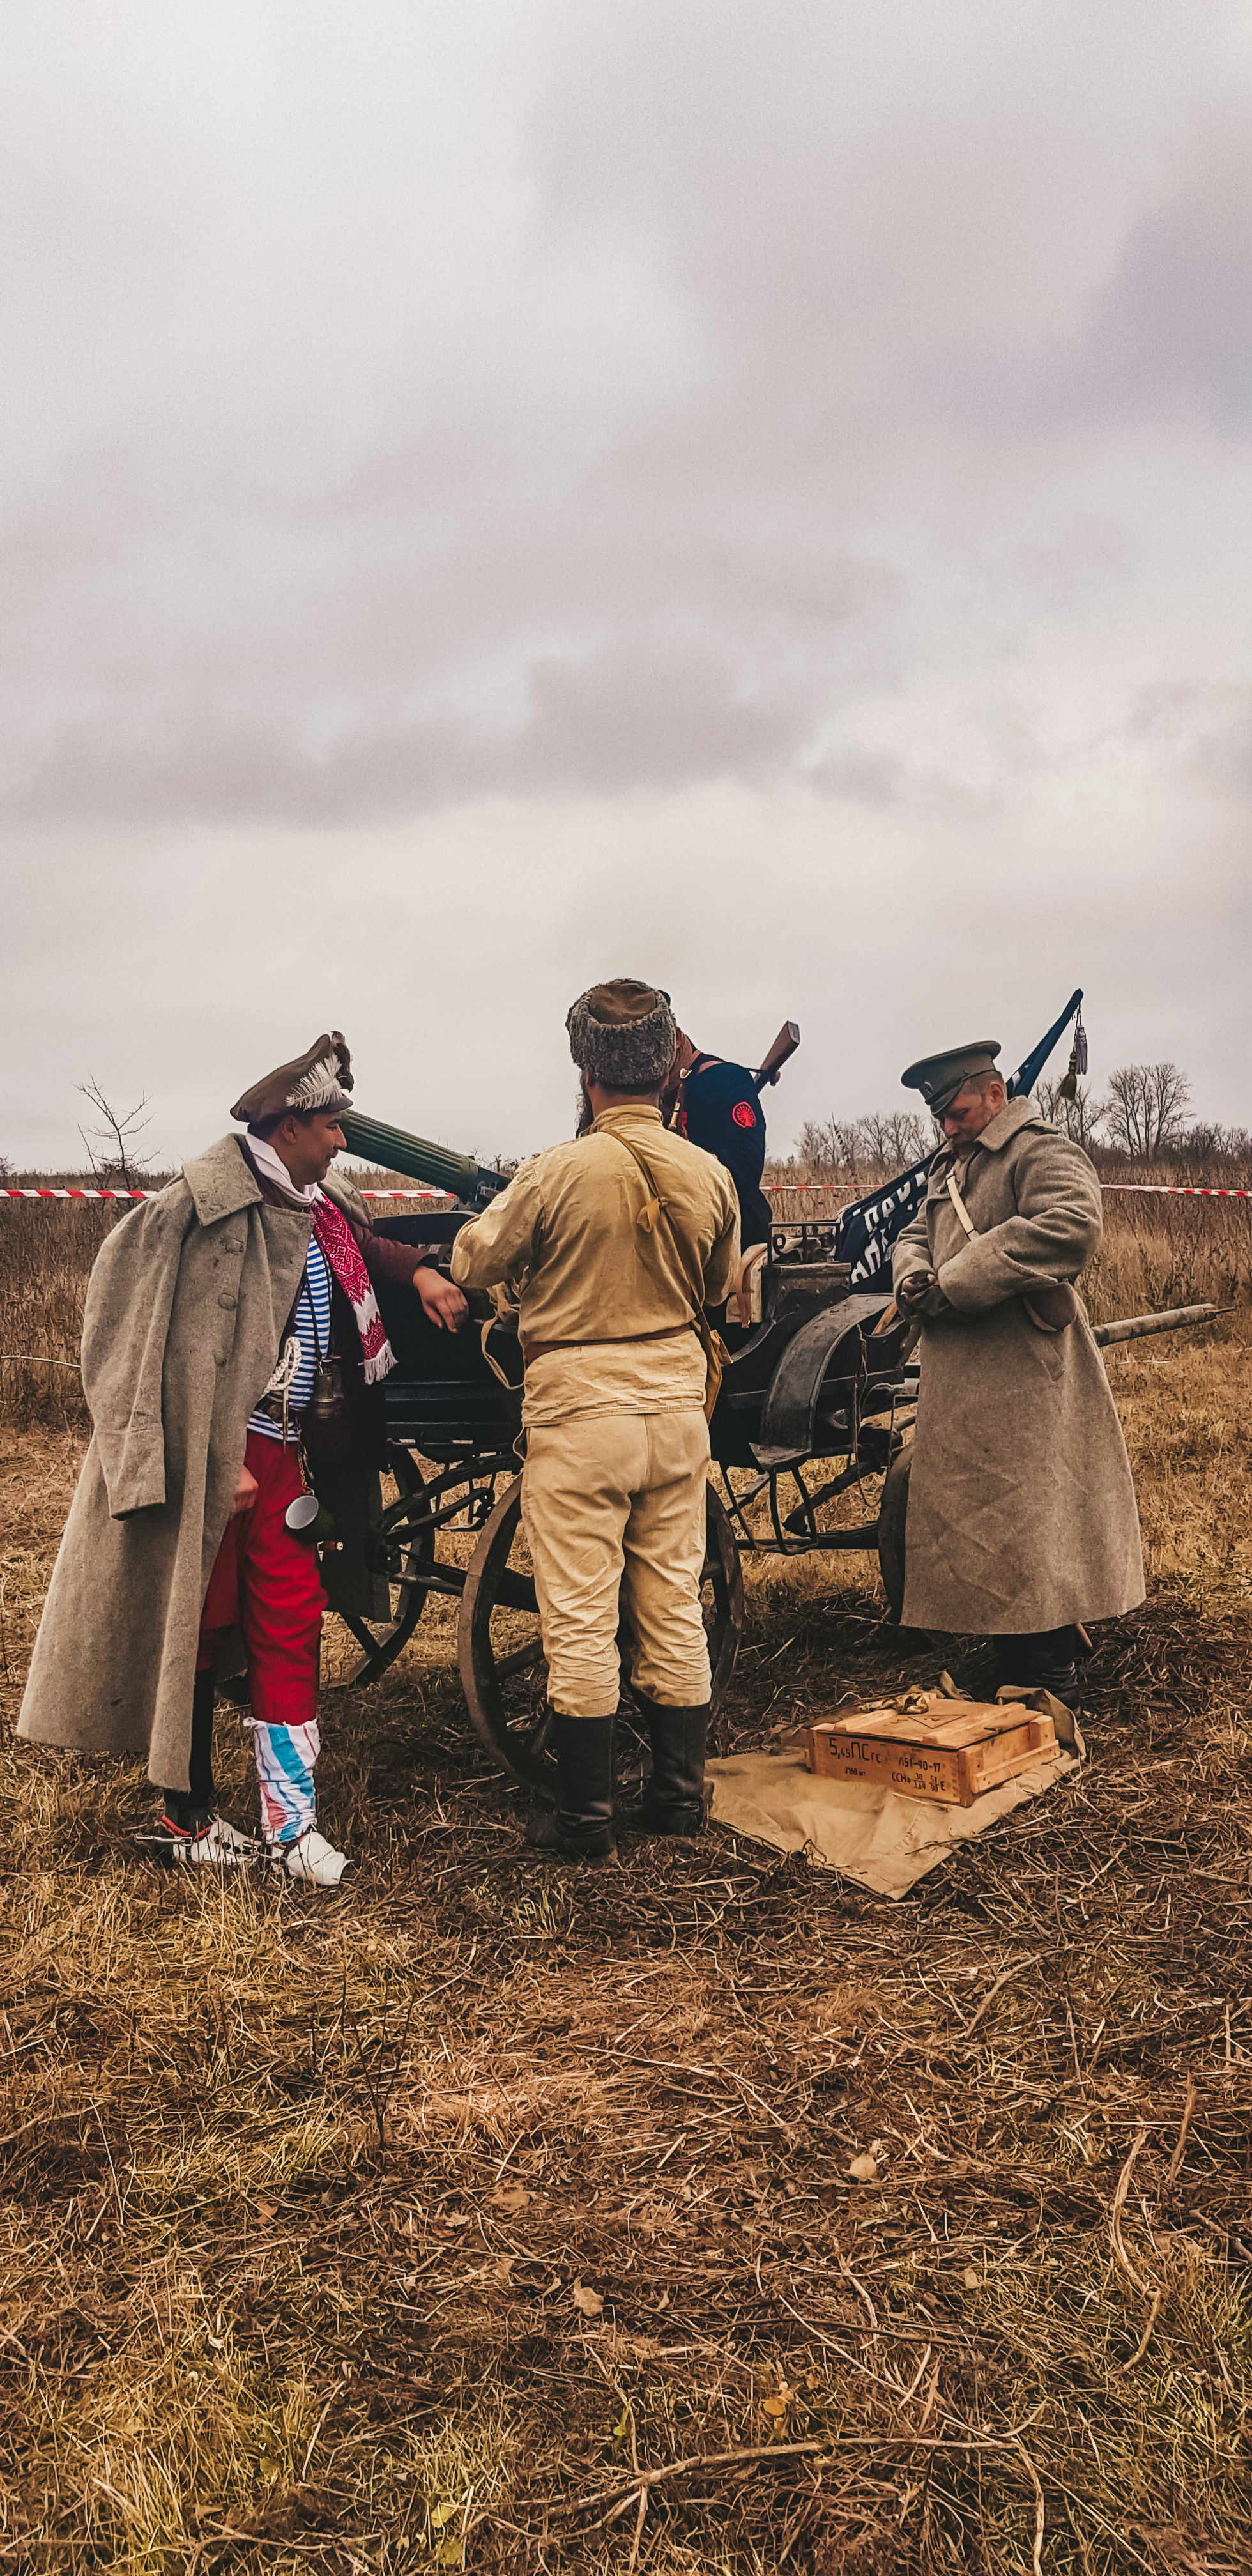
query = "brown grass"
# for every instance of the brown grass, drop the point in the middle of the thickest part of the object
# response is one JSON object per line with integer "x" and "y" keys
{"x": 46, "y": 1252}
{"x": 490, "y": 2217}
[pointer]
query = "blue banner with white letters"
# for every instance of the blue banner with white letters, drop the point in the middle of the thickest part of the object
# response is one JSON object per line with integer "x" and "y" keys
{"x": 866, "y": 1231}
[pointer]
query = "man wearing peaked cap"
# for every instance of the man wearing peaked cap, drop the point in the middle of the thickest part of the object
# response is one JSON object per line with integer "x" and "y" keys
{"x": 1021, "y": 1511}
{"x": 614, "y": 1245}
{"x": 940, "y": 1077}
{"x": 178, "y": 1536}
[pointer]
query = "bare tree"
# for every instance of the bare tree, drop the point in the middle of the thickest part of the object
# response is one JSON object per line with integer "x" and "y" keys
{"x": 1080, "y": 1118}
{"x": 115, "y": 1136}
{"x": 875, "y": 1135}
{"x": 847, "y": 1142}
{"x": 886, "y": 1142}
{"x": 910, "y": 1136}
{"x": 893, "y": 1139}
{"x": 1207, "y": 1142}
{"x": 812, "y": 1146}
{"x": 830, "y": 1144}
{"x": 1146, "y": 1107}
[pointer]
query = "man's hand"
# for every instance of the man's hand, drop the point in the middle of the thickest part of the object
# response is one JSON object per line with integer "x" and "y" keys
{"x": 442, "y": 1302}
{"x": 912, "y": 1293}
{"x": 246, "y": 1492}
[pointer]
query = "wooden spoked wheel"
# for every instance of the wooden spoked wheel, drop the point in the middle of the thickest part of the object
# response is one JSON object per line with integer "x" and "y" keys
{"x": 500, "y": 1652}
{"x": 382, "y": 1640}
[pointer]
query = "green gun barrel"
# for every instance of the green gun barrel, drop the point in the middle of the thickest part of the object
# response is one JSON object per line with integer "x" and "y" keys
{"x": 1132, "y": 1327}
{"x": 397, "y": 1151}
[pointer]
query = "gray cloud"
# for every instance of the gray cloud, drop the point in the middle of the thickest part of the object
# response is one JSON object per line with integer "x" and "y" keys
{"x": 1169, "y": 335}
{"x": 811, "y": 440}
{"x": 1205, "y": 732}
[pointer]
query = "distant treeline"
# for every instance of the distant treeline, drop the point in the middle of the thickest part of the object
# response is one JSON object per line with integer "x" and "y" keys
{"x": 1142, "y": 1119}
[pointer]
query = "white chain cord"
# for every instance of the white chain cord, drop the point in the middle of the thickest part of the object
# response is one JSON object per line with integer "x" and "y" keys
{"x": 284, "y": 1377}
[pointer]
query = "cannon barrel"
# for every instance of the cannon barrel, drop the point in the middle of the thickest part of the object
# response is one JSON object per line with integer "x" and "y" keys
{"x": 1132, "y": 1326}
{"x": 397, "y": 1151}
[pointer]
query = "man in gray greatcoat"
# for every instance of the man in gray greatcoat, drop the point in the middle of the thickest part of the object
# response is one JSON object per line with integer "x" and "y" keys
{"x": 1021, "y": 1513}
{"x": 178, "y": 1531}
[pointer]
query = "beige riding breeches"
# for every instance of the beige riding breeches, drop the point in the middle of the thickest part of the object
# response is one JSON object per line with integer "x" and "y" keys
{"x": 613, "y": 1508}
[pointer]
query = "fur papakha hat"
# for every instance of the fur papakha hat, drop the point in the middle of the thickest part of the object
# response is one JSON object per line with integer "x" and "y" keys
{"x": 623, "y": 1034}
{"x": 319, "y": 1079}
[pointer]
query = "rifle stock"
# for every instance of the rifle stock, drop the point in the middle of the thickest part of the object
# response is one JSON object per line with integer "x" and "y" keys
{"x": 784, "y": 1046}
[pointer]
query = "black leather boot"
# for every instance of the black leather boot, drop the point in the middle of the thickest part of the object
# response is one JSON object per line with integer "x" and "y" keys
{"x": 1042, "y": 1661}
{"x": 673, "y": 1801}
{"x": 200, "y": 1760}
{"x": 581, "y": 1826}
{"x": 192, "y": 1807}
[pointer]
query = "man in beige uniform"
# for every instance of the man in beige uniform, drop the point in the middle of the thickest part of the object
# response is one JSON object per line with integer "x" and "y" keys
{"x": 611, "y": 1245}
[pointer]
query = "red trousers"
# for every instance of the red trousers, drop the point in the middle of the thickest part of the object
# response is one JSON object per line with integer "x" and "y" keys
{"x": 267, "y": 1583}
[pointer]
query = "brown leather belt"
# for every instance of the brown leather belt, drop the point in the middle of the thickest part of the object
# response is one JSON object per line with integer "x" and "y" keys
{"x": 539, "y": 1350}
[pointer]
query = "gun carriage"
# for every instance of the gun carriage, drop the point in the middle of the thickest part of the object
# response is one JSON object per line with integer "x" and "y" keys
{"x": 817, "y": 1402}
{"x": 816, "y": 1379}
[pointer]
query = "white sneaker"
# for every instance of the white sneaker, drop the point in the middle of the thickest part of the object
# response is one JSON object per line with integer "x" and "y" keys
{"x": 311, "y": 1858}
{"x": 243, "y": 1846}
{"x": 211, "y": 1844}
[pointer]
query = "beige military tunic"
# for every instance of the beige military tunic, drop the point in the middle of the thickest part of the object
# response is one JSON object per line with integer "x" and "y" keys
{"x": 617, "y": 1446}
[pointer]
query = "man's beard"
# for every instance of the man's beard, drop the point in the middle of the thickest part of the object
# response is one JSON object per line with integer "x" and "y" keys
{"x": 586, "y": 1114}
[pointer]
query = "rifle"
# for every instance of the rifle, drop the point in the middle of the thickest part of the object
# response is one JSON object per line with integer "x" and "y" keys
{"x": 784, "y": 1046}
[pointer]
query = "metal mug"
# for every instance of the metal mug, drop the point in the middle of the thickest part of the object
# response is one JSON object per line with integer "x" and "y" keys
{"x": 308, "y": 1519}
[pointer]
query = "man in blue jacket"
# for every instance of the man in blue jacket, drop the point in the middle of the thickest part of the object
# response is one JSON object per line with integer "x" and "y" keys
{"x": 717, "y": 1107}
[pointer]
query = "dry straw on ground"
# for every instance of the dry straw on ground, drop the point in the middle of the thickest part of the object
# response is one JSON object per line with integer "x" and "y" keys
{"x": 482, "y": 2217}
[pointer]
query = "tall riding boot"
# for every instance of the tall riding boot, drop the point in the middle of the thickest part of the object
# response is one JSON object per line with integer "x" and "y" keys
{"x": 1043, "y": 1660}
{"x": 191, "y": 1807}
{"x": 581, "y": 1827}
{"x": 673, "y": 1801}
{"x": 200, "y": 1761}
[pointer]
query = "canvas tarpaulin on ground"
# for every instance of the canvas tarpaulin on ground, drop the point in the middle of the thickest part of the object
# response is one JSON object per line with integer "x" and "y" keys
{"x": 871, "y": 1835}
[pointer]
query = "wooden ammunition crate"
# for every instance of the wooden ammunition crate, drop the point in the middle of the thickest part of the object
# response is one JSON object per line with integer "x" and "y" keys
{"x": 950, "y": 1751}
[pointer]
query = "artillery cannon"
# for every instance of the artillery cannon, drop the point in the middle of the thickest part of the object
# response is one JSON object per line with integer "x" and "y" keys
{"x": 821, "y": 1380}
{"x": 473, "y": 1185}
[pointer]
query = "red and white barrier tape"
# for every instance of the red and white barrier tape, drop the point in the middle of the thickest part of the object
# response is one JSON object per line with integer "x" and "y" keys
{"x": 1174, "y": 1190}
{"x": 1150, "y": 1189}
{"x": 1153, "y": 1189}
{"x": 423, "y": 1193}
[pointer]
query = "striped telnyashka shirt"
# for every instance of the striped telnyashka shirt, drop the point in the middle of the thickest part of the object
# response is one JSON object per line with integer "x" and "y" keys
{"x": 312, "y": 1306}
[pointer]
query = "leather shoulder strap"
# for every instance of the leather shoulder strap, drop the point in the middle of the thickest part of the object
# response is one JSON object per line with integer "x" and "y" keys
{"x": 960, "y": 1207}
{"x": 711, "y": 1343}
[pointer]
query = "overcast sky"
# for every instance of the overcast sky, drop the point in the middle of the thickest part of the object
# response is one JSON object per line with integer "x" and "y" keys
{"x": 753, "y": 494}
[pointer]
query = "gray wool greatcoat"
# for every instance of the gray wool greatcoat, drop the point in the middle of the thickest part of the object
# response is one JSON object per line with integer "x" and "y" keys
{"x": 185, "y": 1311}
{"x": 1021, "y": 1512}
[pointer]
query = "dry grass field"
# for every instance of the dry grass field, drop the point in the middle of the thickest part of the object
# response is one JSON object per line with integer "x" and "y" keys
{"x": 483, "y": 2217}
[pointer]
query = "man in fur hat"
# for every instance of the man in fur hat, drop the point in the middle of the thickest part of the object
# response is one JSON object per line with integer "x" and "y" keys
{"x": 614, "y": 1244}
{"x": 177, "y": 1535}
